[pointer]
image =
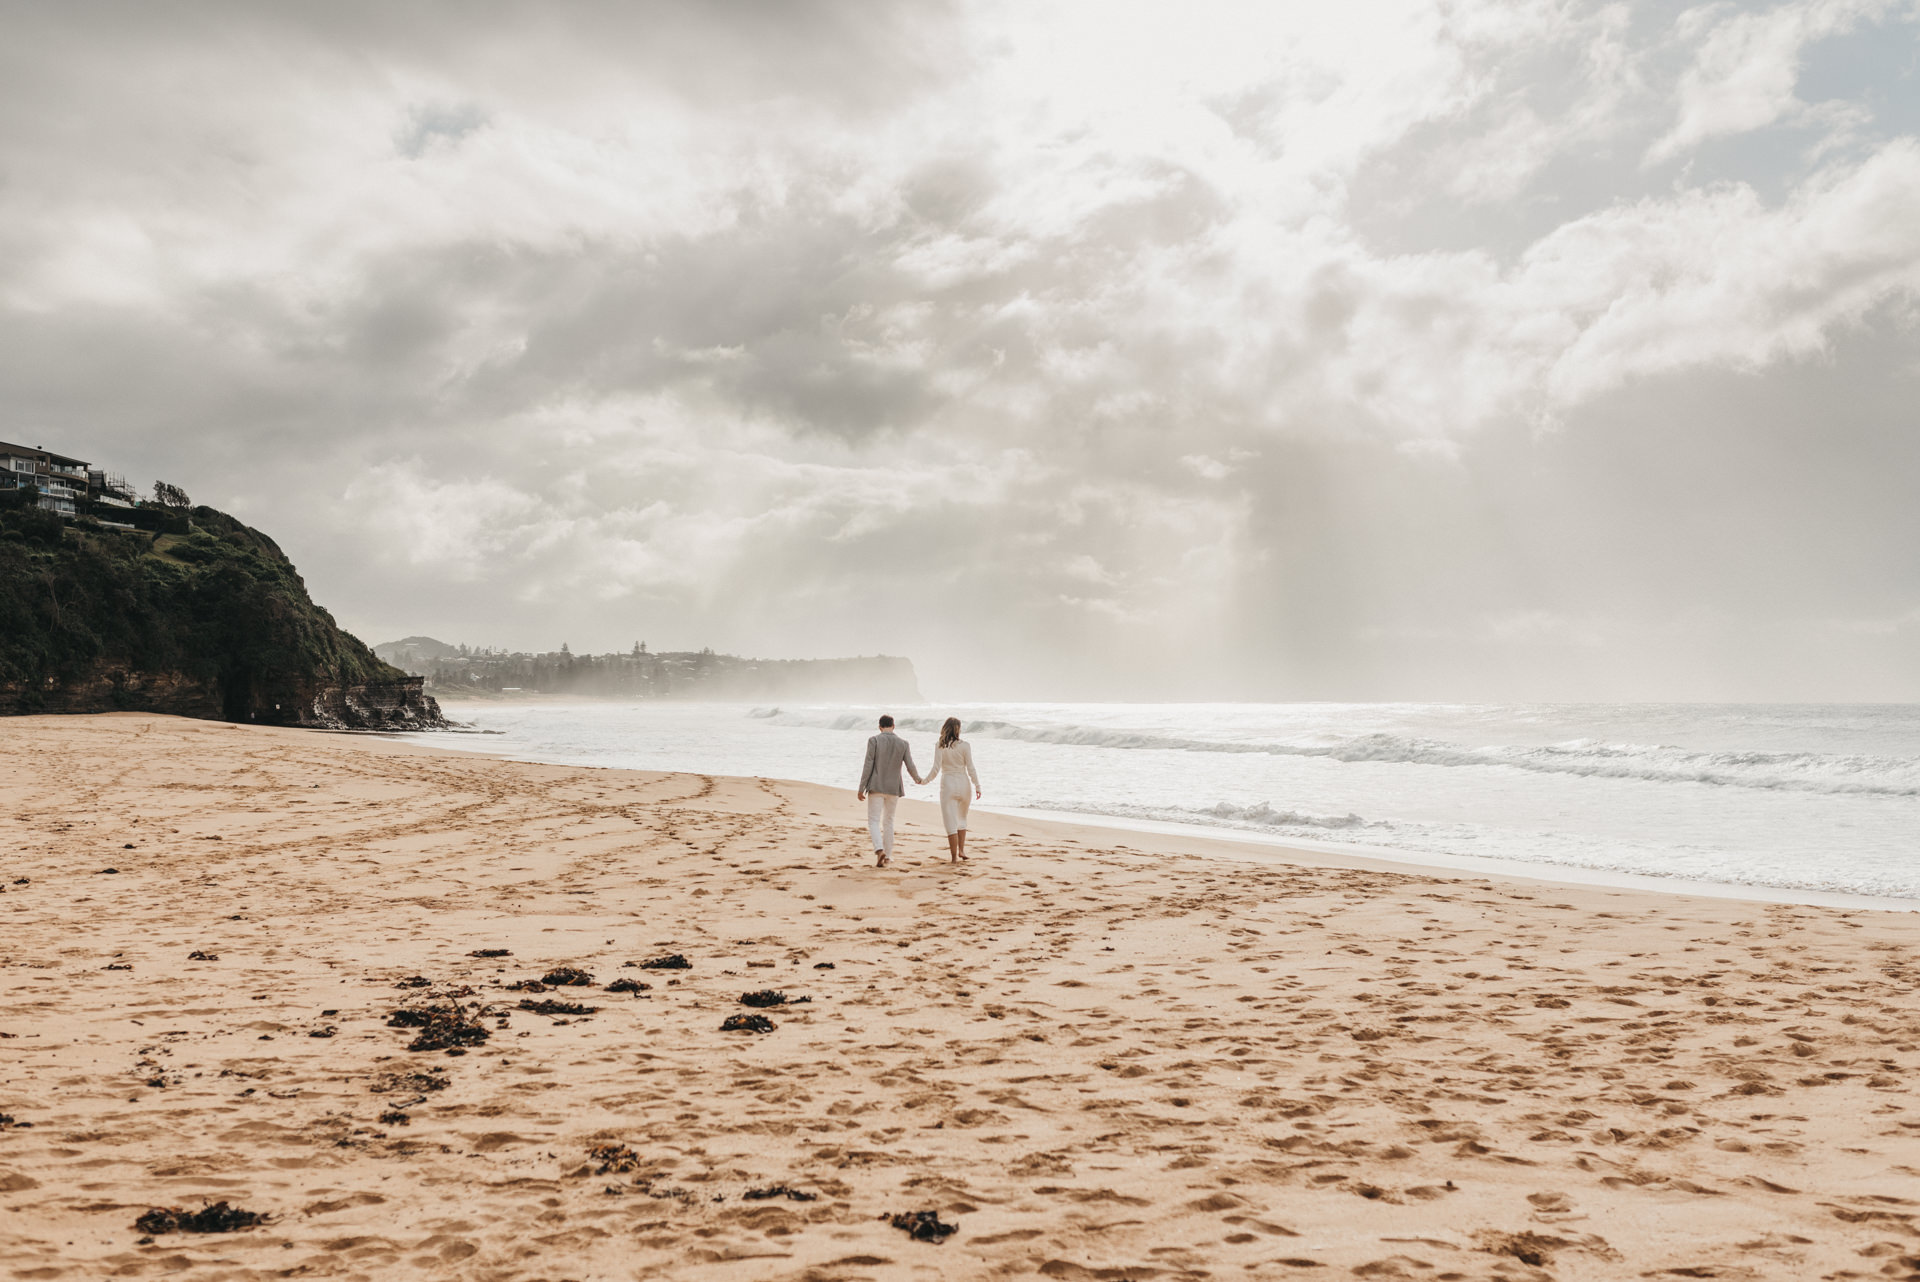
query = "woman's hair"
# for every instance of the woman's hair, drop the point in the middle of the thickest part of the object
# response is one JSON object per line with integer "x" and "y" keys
{"x": 949, "y": 731}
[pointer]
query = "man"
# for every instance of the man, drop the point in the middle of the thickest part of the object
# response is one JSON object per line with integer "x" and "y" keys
{"x": 880, "y": 786}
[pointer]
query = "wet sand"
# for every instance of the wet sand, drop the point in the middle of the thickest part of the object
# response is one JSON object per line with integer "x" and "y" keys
{"x": 1096, "y": 1056}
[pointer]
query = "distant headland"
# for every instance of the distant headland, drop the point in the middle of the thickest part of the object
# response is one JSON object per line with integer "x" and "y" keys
{"x": 113, "y": 603}
{"x": 459, "y": 671}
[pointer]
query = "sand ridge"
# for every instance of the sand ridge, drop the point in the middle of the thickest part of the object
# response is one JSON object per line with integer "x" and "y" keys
{"x": 1097, "y": 1062}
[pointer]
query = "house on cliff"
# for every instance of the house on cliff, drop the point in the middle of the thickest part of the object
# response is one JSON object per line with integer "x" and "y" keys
{"x": 61, "y": 481}
{"x": 67, "y": 487}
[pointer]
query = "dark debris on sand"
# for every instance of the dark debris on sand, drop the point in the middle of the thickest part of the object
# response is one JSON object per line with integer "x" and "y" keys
{"x": 491, "y": 952}
{"x": 551, "y": 1007}
{"x": 779, "y": 1190}
{"x": 441, "y": 1027}
{"x": 415, "y": 981}
{"x": 433, "y": 1079}
{"x": 1530, "y": 1248}
{"x": 614, "y": 1159}
{"x": 629, "y": 986}
{"x": 922, "y": 1226}
{"x": 202, "y": 955}
{"x": 394, "y": 1117}
{"x": 218, "y": 1218}
{"x": 8, "y": 1120}
{"x": 770, "y": 997}
{"x": 823, "y": 965}
{"x": 672, "y": 961}
{"x": 747, "y": 1024}
{"x": 566, "y": 977}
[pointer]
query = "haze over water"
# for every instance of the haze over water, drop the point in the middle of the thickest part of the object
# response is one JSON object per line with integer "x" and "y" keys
{"x": 1805, "y": 797}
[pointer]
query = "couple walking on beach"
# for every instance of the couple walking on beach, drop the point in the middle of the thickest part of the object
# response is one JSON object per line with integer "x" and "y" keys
{"x": 880, "y": 786}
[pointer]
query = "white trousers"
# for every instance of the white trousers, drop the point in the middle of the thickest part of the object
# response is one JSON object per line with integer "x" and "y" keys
{"x": 954, "y": 806}
{"x": 880, "y": 808}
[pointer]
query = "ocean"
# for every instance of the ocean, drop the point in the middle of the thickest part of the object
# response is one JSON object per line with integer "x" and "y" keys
{"x": 1820, "y": 798}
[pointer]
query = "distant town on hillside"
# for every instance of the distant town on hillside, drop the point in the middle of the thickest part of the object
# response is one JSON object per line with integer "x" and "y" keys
{"x": 457, "y": 671}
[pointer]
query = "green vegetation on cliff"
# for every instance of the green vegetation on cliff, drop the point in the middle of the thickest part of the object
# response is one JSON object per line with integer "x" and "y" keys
{"x": 213, "y": 621}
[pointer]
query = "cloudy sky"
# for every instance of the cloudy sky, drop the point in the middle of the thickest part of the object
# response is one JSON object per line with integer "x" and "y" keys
{"x": 1390, "y": 349}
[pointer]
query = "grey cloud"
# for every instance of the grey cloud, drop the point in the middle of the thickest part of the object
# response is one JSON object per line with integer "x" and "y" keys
{"x": 770, "y": 328}
{"x": 433, "y": 123}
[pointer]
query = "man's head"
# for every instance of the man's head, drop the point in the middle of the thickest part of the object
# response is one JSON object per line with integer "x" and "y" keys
{"x": 886, "y": 723}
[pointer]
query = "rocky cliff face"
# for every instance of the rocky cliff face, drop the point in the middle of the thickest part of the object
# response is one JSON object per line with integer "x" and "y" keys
{"x": 401, "y": 704}
{"x": 214, "y": 623}
{"x": 377, "y": 705}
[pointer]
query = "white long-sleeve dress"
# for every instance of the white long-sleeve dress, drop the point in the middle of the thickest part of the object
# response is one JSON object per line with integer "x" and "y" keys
{"x": 953, "y": 766}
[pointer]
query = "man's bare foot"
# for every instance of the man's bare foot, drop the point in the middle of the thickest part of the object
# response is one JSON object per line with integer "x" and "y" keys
{"x": 880, "y": 859}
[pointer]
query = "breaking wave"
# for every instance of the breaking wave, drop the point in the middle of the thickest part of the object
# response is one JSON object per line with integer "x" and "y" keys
{"x": 1792, "y": 771}
{"x": 1262, "y": 815}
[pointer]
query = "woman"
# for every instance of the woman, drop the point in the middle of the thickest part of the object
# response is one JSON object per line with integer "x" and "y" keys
{"x": 953, "y": 765}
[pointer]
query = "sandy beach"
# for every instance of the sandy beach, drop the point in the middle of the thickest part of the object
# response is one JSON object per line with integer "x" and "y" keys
{"x": 1097, "y": 1054}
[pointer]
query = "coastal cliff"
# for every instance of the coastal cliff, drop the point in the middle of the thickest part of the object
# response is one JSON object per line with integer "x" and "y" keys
{"x": 214, "y": 623}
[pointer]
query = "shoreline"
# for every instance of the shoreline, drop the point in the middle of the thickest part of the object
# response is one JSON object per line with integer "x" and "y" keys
{"x": 1255, "y": 847}
{"x": 1384, "y": 859}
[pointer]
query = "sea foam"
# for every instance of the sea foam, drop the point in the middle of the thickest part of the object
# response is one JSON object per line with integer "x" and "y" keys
{"x": 1798, "y": 771}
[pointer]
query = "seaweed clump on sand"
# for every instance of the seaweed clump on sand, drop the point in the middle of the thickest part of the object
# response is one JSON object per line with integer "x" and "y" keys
{"x": 672, "y": 961}
{"x": 779, "y": 1190}
{"x": 923, "y": 1226}
{"x": 7, "y": 1120}
{"x": 491, "y": 952}
{"x": 448, "y": 1027}
{"x": 201, "y": 954}
{"x": 747, "y": 1024}
{"x": 770, "y": 997}
{"x": 559, "y": 977}
{"x": 614, "y": 1159}
{"x": 218, "y": 1218}
{"x": 550, "y": 1007}
{"x": 629, "y": 986}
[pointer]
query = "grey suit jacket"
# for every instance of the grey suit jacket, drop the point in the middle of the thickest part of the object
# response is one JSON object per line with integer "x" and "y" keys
{"x": 886, "y": 753}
